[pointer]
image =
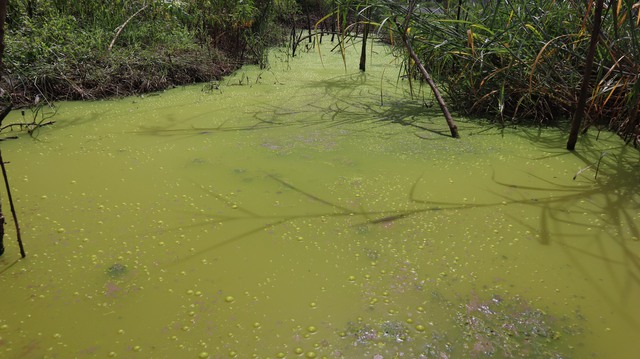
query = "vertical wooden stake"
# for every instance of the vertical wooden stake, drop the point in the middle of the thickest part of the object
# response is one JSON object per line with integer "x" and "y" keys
{"x": 13, "y": 210}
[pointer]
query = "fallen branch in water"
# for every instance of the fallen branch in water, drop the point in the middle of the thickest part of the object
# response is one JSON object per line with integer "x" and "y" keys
{"x": 38, "y": 117}
{"x": 30, "y": 127}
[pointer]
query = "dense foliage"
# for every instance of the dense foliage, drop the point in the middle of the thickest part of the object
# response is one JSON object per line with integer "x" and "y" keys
{"x": 518, "y": 60}
{"x": 87, "y": 49}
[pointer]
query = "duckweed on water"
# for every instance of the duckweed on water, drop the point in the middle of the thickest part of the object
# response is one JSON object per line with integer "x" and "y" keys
{"x": 308, "y": 206}
{"x": 502, "y": 328}
{"x": 117, "y": 270}
{"x": 511, "y": 328}
{"x": 373, "y": 334}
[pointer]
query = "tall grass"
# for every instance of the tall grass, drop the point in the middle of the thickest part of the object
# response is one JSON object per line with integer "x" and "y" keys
{"x": 524, "y": 59}
{"x": 521, "y": 60}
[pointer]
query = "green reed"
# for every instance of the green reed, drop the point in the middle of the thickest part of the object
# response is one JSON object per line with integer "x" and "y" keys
{"x": 524, "y": 60}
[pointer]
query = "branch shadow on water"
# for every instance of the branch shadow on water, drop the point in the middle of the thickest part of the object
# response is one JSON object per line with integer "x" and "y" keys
{"x": 335, "y": 210}
{"x": 348, "y": 100}
{"x": 345, "y": 100}
{"x": 558, "y": 205}
{"x": 607, "y": 202}
{"x": 608, "y": 196}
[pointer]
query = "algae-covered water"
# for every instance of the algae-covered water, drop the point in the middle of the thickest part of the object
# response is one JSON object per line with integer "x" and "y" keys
{"x": 289, "y": 213}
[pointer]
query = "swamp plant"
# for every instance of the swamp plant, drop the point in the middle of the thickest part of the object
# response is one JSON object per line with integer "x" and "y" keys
{"x": 521, "y": 61}
{"x": 524, "y": 60}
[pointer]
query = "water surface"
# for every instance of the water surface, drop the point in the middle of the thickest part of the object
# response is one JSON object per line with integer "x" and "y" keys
{"x": 302, "y": 211}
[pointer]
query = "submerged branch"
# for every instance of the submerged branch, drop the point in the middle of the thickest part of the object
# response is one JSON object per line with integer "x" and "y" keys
{"x": 30, "y": 127}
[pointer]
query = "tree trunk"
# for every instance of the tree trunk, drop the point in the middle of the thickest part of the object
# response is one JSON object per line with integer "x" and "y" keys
{"x": 294, "y": 43}
{"x": 309, "y": 26}
{"x": 363, "y": 52}
{"x": 333, "y": 28}
{"x": 13, "y": 209}
{"x": 584, "y": 89}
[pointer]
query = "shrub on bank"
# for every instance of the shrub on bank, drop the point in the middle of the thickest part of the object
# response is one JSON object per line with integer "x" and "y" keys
{"x": 87, "y": 49}
{"x": 45, "y": 60}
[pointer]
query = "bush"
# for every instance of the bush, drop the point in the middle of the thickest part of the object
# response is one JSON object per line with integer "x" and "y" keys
{"x": 65, "y": 49}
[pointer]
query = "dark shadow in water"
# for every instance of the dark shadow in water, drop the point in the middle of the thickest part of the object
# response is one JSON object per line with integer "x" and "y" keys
{"x": 334, "y": 102}
{"x": 617, "y": 178}
{"x": 272, "y": 220}
{"x": 263, "y": 117}
{"x": 618, "y": 186}
{"x": 368, "y": 105}
{"x": 352, "y": 105}
{"x": 615, "y": 189}
{"x": 169, "y": 131}
{"x": 56, "y": 121}
{"x": 310, "y": 195}
{"x": 9, "y": 266}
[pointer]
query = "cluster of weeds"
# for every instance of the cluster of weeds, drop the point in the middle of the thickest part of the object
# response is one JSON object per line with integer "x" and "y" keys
{"x": 439, "y": 347}
{"x": 372, "y": 334}
{"x": 496, "y": 327}
{"x": 509, "y": 328}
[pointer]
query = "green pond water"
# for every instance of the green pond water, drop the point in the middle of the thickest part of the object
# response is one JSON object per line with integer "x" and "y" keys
{"x": 287, "y": 213}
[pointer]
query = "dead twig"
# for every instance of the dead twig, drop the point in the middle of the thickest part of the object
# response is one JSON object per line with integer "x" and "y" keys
{"x": 121, "y": 27}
